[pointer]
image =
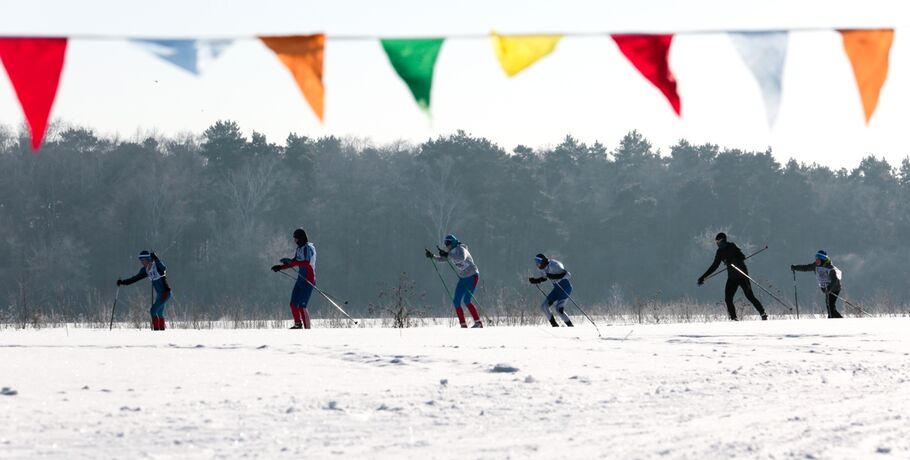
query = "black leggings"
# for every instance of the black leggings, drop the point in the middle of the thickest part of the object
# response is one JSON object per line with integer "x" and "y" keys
{"x": 831, "y": 301}
{"x": 730, "y": 290}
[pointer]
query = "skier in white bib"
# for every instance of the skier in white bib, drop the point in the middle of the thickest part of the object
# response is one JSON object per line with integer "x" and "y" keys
{"x": 555, "y": 271}
{"x": 829, "y": 278}
{"x": 468, "y": 275}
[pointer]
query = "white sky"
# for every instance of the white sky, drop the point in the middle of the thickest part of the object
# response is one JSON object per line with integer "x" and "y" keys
{"x": 586, "y": 88}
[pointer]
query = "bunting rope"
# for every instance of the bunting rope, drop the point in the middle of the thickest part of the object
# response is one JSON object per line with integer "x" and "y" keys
{"x": 34, "y": 64}
{"x": 447, "y": 36}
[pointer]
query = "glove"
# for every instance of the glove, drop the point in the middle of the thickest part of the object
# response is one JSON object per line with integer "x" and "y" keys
{"x": 442, "y": 253}
{"x": 701, "y": 280}
{"x": 276, "y": 268}
{"x": 285, "y": 261}
{"x": 428, "y": 253}
{"x": 793, "y": 268}
{"x": 119, "y": 282}
{"x": 536, "y": 280}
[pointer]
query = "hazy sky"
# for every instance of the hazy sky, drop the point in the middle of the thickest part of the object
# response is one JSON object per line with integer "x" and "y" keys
{"x": 586, "y": 88}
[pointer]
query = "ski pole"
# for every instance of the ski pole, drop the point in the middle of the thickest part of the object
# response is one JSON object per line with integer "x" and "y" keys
{"x": 576, "y": 306}
{"x": 116, "y": 296}
{"x": 329, "y": 299}
{"x": 440, "y": 276}
{"x": 852, "y": 305}
{"x": 320, "y": 291}
{"x": 795, "y": 296}
{"x": 323, "y": 292}
{"x": 727, "y": 268}
{"x": 762, "y": 287}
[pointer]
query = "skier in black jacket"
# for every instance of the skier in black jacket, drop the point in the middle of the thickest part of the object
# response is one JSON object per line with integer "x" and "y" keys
{"x": 729, "y": 254}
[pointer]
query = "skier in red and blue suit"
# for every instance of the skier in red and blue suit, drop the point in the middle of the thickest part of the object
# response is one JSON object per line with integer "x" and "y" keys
{"x": 305, "y": 262}
{"x": 457, "y": 253}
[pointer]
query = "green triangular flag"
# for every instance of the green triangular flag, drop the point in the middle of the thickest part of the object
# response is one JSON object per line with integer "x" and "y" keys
{"x": 414, "y": 60}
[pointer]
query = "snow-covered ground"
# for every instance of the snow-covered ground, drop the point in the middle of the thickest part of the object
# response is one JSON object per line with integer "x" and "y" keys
{"x": 778, "y": 389}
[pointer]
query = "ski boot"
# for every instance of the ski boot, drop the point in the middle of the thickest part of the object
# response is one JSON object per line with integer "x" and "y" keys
{"x": 297, "y": 326}
{"x": 764, "y": 317}
{"x": 553, "y": 322}
{"x": 477, "y": 325}
{"x": 569, "y": 324}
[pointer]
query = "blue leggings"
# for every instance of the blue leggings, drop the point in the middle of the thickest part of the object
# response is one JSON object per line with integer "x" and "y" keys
{"x": 464, "y": 291}
{"x": 157, "y": 310}
{"x": 300, "y": 296}
{"x": 561, "y": 291}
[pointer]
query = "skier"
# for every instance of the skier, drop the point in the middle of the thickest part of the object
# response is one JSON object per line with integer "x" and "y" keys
{"x": 155, "y": 270}
{"x": 468, "y": 275}
{"x": 554, "y": 270}
{"x": 829, "y": 278}
{"x": 731, "y": 256}
{"x": 305, "y": 261}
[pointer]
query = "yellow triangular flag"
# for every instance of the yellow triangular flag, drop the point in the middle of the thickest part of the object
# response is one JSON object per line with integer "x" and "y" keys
{"x": 302, "y": 55}
{"x": 868, "y": 52}
{"x": 518, "y": 52}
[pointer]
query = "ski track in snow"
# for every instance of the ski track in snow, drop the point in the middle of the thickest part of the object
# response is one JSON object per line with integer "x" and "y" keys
{"x": 811, "y": 389}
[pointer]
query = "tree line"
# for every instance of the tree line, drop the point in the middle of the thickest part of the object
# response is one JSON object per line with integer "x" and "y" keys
{"x": 629, "y": 221}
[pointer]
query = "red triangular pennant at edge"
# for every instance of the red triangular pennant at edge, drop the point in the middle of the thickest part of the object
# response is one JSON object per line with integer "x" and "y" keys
{"x": 650, "y": 54}
{"x": 34, "y": 66}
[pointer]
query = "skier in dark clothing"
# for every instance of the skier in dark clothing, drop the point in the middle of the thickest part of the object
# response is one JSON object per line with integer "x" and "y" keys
{"x": 829, "y": 278}
{"x": 731, "y": 256}
{"x": 154, "y": 269}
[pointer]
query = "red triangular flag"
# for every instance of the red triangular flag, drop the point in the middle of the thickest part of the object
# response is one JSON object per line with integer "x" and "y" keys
{"x": 650, "y": 54}
{"x": 34, "y": 66}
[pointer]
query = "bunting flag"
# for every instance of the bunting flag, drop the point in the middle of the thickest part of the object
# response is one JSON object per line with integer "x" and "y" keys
{"x": 868, "y": 51}
{"x": 190, "y": 55}
{"x": 518, "y": 52}
{"x": 414, "y": 60}
{"x": 303, "y": 56}
{"x": 650, "y": 54}
{"x": 764, "y": 54}
{"x": 34, "y": 66}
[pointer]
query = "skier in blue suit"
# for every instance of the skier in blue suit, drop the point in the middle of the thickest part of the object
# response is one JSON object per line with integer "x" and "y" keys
{"x": 155, "y": 270}
{"x": 555, "y": 271}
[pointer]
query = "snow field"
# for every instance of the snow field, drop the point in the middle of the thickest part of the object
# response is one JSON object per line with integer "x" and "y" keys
{"x": 777, "y": 389}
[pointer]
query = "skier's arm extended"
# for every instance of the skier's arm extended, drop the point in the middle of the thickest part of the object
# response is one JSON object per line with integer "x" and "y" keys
{"x": 713, "y": 267}
{"x": 803, "y": 268}
{"x": 138, "y": 276}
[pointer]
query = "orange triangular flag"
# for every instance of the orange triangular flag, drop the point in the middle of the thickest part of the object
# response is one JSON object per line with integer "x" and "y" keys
{"x": 868, "y": 52}
{"x": 302, "y": 54}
